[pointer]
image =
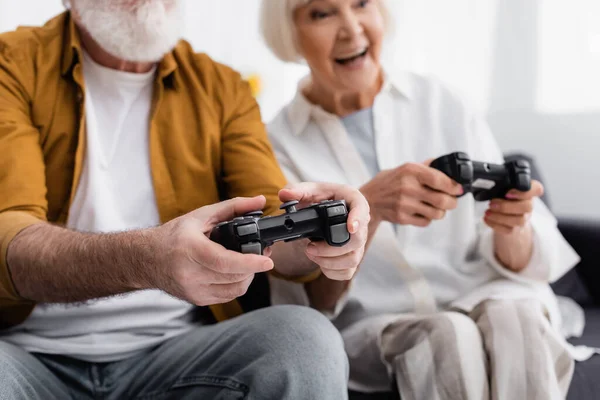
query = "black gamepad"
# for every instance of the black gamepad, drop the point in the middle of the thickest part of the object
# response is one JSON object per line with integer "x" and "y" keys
{"x": 484, "y": 180}
{"x": 252, "y": 233}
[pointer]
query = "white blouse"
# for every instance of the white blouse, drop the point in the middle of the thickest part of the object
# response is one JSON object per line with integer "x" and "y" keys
{"x": 451, "y": 263}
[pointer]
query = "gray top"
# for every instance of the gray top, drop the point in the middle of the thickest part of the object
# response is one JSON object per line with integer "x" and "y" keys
{"x": 361, "y": 129}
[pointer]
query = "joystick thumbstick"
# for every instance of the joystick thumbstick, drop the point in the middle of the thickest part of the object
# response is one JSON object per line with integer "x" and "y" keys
{"x": 290, "y": 206}
{"x": 257, "y": 214}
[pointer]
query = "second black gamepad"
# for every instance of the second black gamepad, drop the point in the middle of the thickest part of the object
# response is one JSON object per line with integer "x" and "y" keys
{"x": 484, "y": 180}
{"x": 252, "y": 233}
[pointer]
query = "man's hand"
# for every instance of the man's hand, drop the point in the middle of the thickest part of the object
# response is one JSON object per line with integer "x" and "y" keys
{"x": 412, "y": 194}
{"x": 337, "y": 263}
{"x": 506, "y": 216}
{"x": 198, "y": 270}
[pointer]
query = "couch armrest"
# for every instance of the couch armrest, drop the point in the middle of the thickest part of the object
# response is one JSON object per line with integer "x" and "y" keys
{"x": 584, "y": 236}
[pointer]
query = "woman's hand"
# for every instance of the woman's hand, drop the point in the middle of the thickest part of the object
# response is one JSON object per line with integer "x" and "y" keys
{"x": 505, "y": 216}
{"x": 412, "y": 194}
{"x": 513, "y": 239}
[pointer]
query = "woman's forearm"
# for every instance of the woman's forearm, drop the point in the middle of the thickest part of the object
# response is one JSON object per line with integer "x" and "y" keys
{"x": 514, "y": 250}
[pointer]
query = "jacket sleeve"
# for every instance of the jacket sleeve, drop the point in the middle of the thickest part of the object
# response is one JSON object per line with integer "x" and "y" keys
{"x": 22, "y": 171}
{"x": 249, "y": 164}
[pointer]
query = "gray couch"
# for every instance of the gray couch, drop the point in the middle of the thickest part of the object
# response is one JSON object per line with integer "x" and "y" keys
{"x": 581, "y": 284}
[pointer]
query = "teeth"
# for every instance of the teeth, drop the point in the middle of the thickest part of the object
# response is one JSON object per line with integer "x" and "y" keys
{"x": 353, "y": 55}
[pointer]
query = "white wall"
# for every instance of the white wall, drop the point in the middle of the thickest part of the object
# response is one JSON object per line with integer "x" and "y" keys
{"x": 228, "y": 31}
{"x": 26, "y": 12}
{"x": 546, "y": 95}
{"x": 531, "y": 64}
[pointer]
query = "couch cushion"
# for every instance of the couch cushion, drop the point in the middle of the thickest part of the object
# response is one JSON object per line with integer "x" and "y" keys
{"x": 373, "y": 396}
{"x": 585, "y": 384}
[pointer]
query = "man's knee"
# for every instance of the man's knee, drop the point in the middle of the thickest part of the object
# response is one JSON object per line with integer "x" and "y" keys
{"x": 19, "y": 377}
{"x": 11, "y": 362}
{"x": 301, "y": 332}
{"x": 302, "y": 354}
{"x": 278, "y": 338}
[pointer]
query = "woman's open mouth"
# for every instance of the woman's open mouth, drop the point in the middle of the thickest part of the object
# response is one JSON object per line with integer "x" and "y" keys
{"x": 352, "y": 58}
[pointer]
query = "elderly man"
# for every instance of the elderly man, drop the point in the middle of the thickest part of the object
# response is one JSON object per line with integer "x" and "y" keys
{"x": 117, "y": 143}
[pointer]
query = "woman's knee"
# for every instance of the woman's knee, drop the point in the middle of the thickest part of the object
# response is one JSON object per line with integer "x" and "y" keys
{"x": 441, "y": 331}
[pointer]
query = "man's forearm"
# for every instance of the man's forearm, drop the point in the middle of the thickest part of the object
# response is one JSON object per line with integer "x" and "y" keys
{"x": 49, "y": 264}
{"x": 514, "y": 250}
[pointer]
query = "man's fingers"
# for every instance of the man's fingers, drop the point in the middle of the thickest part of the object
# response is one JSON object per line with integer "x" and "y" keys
{"x": 226, "y": 210}
{"x": 344, "y": 275}
{"x": 230, "y": 291}
{"x": 308, "y": 192}
{"x": 322, "y": 249}
{"x": 360, "y": 212}
{"x": 215, "y": 278}
{"x": 341, "y": 263}
{"x": 216, "y": 258}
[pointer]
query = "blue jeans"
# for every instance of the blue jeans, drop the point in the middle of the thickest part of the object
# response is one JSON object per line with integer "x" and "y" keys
{"x": 285, "y": 352}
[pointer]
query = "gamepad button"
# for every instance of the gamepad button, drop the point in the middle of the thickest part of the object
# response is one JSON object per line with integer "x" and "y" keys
{"x": 254, "y": 214}
{"x": 248, "y": 229}
{"x": 336, "y": 211}
{"x": 462, "y": 156}
{"x": 339, "y": 233}
{"x": 522, "y": 164}
{"x": 252, "y": 248}
{"x": 464, "y": 173}
{"x": 290, "y": 206}
{"x": 522, "y": 181}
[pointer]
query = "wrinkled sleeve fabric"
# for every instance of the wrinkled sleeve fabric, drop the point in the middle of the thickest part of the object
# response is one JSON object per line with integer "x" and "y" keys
{"x": 22, "y": 171}
{"x": 249, "y": 164}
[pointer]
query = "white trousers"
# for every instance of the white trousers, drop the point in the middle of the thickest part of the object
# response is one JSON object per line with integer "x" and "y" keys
{"x": 502, "y": 350}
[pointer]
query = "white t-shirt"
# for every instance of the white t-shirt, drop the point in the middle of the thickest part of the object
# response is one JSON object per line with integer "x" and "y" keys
{"x": 115, "y": 193}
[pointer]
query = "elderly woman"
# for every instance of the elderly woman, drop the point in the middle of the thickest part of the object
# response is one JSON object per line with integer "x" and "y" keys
{"x": 452, "y": 299}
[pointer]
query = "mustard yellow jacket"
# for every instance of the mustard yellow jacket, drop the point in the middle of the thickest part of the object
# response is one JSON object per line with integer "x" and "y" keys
{"x": 207, "y": 139}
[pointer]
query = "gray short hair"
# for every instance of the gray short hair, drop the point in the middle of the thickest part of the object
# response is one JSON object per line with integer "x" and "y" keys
{"x": 277, "y": 26}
